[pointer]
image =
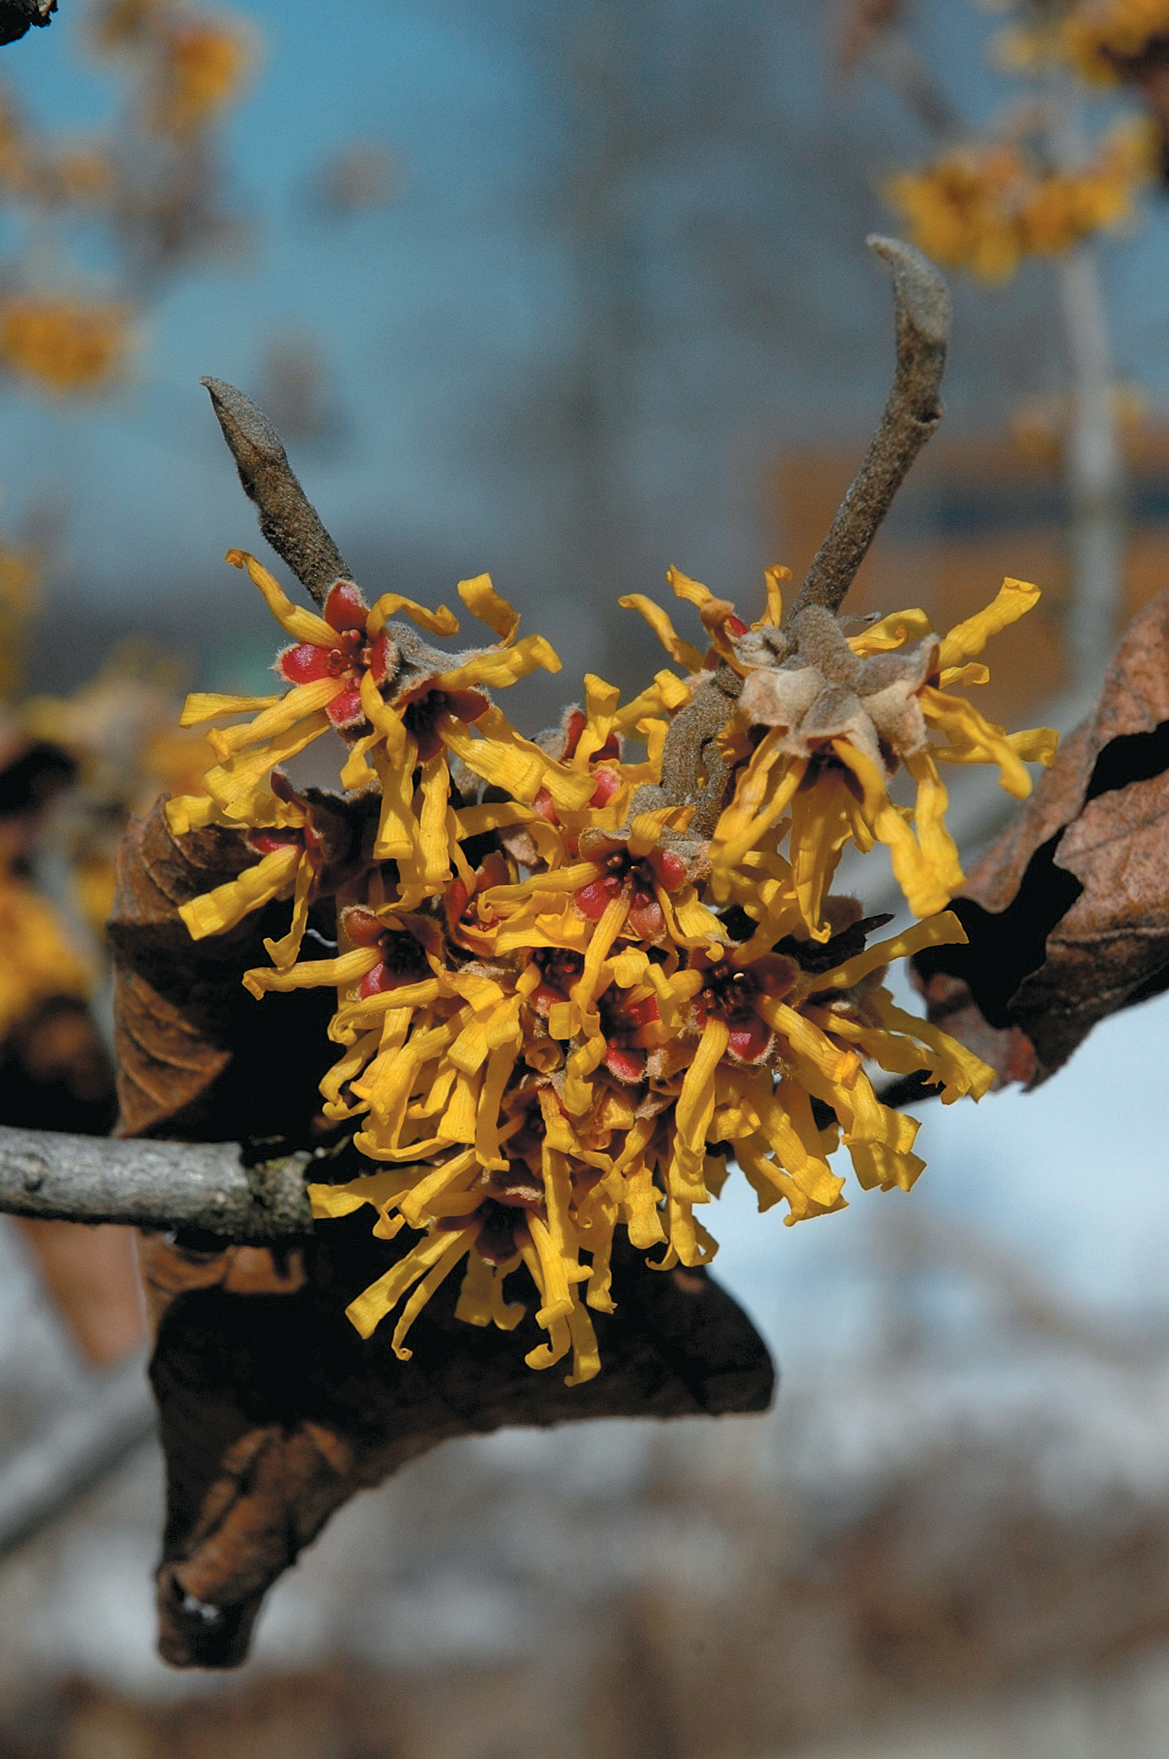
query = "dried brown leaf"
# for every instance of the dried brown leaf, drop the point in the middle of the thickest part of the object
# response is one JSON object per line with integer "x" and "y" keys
{"x": 198, "y": 1058}
{"x": 1067, "y": 914}
{"x": 274, "y": 1411}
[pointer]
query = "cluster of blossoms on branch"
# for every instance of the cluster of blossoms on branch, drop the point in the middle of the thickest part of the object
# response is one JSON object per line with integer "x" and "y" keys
{"x": 576, "y": 983}
{"x": 1099, "y": 39}
{"x": 986, "y": 205}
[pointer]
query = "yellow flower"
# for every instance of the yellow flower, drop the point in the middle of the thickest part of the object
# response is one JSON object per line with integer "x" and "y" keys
{"x": 842, "y": 715}
{"x": 36, "y": 957}
{"x": 1065, "y": 207}
{"x": 529, "y": 1105}
{"x": 203, "y": 69}
{"x": 986, "y": 207}
{"x": 963, "y": 209}
{"x": 404, "y": 708}
{"x": 1098, "y": 35}
{"x": 564, "y": 1035}
{"x": 64, "y": 344}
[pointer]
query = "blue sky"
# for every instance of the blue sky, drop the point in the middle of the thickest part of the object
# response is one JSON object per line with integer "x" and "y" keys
{"x": 448, "y": 321}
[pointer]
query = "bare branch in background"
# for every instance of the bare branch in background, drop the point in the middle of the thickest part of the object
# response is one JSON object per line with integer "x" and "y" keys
{"x": 911, "y": 415}
{"x": 159, "y": 1185}
{"x": 288, "y": 519}
{"x": 86, "y": 1439}
{"x": 19, "y": 16}
{"x": 874, "y": 32}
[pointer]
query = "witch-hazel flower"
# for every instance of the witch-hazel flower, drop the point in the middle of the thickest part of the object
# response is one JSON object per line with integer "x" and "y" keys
{"x": 403, "y": 708}
{"x": 839, "y": 716}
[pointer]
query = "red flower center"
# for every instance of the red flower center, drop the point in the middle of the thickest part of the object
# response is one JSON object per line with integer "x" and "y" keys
{"x": 731, "y": 995}
{"x": 623, "y": 1023}
{"x": 559, "y": 969}
{"x": 638, "y": 879}
{"x": 346, "y": 659}
{"x": 426, "y": 708}
{"x": 403, "y": 960}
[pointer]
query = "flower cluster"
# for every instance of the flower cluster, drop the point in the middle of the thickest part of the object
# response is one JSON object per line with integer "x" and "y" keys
{"x": 193, "y": 63}
{"x": 119, "y": 730}
{"x": 986, "y": 206}
{"x": 64, "y": 344}
{"x": 1100, "y": 39}
{"x": 575, "y": 988}
{"x": 40, "y": 959}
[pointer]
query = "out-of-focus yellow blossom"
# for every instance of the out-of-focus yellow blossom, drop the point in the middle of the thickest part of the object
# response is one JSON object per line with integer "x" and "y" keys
{"x": 1064, "y": 207}
{"x": 986, "y": 207}
{"x": 20, "y": 600}
{"x": 38, "y": 959}
{"x": 963, "y": 209}
{"x": 65, "y": 344}
{"x": 195, "y": 63}
{"x": 120, "y": 730}
{"x": 597, "y": 1010}
{"x": 202, "y": 69}
{"x": 1098, "y": 36}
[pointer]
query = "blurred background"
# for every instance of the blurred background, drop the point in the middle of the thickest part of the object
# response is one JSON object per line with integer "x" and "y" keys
{"x": 569, "y": 294}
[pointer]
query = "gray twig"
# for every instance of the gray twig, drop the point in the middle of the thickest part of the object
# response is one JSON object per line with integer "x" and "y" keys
{"x": 911, "y": 415}
{"x": 162, "y": 1185}
{"x": 83, "y": 1442}
{"x": 288, "y": 519}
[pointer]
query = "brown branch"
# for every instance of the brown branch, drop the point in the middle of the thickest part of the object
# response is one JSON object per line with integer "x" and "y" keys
{"x": 288, "y": 519}
{"x": 150, "y": 1184}
{"x": 911, "y": 415}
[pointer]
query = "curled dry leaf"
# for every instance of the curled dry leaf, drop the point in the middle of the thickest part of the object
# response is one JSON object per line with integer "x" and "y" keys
{"x": 1067, "y": 914}
{"x": 273, "y": 1409}
{"x": 196, "y": 1060}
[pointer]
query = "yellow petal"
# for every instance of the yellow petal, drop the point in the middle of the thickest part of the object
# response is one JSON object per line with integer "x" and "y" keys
{"x": 285, "y": 712}
{"x": 208, "y": 705}
{"x": 691, "y": 590}
{"x": 775, "y": 578}
{"x": 339, "y": 973}
{"x": 240, "y": 785}
{"x": 366, "y": 1313}
{"x": 301, "y": 625}
{"x": 891, "y": 632}
{"x": 482, "y": 600}
{"x": 684, "y": 652}
{"x": 974, "y": 739}
{"x": 392, "y": 604}
{"x": 500, "y": 666}
{"x": 378, "y": 1189}
{"x": 966, "y": 640}
{"x": 284, "y": 952}
{"x": 215, "y": 912}
{"x": 938, "y": 931}
{"x": 821, "y": 826}
{"x": 191, "y": 812}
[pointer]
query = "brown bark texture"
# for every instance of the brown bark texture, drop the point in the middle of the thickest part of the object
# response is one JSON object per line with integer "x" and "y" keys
{"x": 1067, "y": 914}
